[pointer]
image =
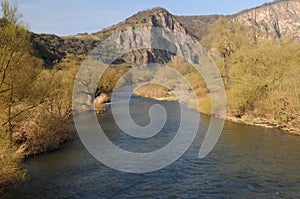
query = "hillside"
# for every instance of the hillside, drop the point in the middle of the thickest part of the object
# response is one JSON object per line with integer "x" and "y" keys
{"x": 52, "y": 48}
{"x": 156, "y": 17}
{"x": 197, "y": 26}
{"x": 232, "y": 49}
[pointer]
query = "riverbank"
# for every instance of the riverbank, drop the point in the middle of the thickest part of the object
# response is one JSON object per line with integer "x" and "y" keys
{"x": 262, "y": 122}
{"x": 30, "y": 138}
{"x": 249, "y": 120}
{"x": 33, "y": 137}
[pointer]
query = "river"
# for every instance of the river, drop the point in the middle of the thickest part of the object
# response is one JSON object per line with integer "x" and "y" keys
{"x": 247, "y": 162}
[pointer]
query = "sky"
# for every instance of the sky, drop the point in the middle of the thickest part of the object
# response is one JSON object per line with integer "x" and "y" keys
{"x": 69, "y": 17}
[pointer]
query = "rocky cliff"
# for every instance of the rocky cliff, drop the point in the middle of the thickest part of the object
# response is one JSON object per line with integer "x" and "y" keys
{"x": 156, "y": 17}
{"x": 274, "y": 20}
{"x": 52, "y": 49}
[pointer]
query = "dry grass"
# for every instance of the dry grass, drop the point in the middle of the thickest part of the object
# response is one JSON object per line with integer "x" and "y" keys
{"x": 152, "y": 91}
{"x": 45, "y": 132}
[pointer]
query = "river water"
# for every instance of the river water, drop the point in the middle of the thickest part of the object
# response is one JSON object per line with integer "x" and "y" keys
{"x": 247, "y": 162}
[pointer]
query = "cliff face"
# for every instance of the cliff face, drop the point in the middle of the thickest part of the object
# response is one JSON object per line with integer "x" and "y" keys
{"x": 157, "y": 17}
{"x": 52, "y": 49}
{"x": 274, "y": 20}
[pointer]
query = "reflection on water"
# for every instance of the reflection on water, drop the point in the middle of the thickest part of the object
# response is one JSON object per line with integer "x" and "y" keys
{"x": 247, "y": 162}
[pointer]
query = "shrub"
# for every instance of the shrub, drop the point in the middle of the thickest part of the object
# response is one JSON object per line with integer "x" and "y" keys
{"x": 10, "y": 162}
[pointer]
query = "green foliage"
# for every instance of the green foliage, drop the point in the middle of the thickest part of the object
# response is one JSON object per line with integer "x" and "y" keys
{"x": 111, "y": 76}
{"x": 18, "y": 73}
{"x": 226, "y": 37}
{"x": 42, "y": 131}
{"x": 57, "y": 86}
{"x": 10, "y": 11}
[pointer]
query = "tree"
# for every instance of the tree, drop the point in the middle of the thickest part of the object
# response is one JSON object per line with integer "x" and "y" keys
{"x": 18, "y": 69}
{"x": 223, "y": 40}
{"x": 10, "y": 12}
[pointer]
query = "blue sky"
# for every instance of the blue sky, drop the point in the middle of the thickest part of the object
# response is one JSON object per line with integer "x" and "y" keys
{"x": 67, "y": 17}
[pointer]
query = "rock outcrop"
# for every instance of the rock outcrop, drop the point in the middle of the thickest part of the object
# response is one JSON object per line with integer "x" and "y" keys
{"x": 274, "y": 20}
{"x": 280, "y": 18}
{"x": 100, "y": 101}
{"x": 156, "y": 17}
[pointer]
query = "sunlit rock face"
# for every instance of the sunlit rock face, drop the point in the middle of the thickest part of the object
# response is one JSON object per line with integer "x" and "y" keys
{"x": 275, "y": 20}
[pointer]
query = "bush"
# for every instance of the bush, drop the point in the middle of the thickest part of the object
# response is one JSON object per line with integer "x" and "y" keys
{"x": 42, "y": 132}
{"x": 10, "y": 162}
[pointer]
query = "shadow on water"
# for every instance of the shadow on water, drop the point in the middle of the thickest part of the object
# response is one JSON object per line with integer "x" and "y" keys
{"x": 247, "y": 162}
